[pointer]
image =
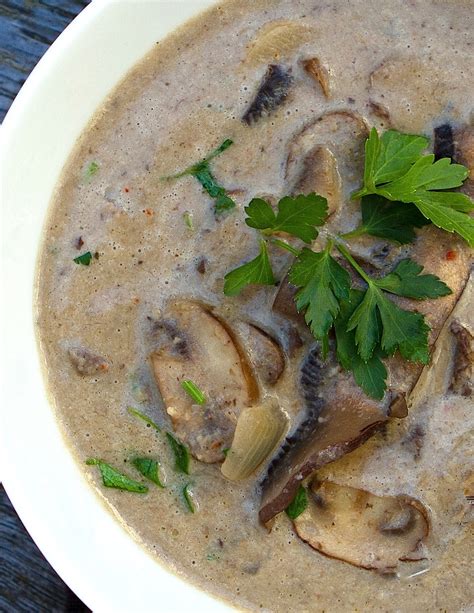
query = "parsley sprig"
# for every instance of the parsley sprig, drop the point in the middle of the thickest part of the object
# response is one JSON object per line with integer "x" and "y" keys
{"x": 396, "y": 170}
{"x": 202, "y": 172}
{"x": 401, "y": 186}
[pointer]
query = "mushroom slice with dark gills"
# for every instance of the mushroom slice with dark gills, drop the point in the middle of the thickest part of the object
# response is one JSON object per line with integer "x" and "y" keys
{"x": 327, "y": 157}
{"x": 271, "y": 93}
{"x": 190, "y": 343}
{"x": 339, "y": 418}
{"x": 358, "y": 527}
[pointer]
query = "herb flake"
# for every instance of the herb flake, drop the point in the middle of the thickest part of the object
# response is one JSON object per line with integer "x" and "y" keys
{"x": 193, "y": 391}
{"x": 85, "y": 259}
{"x": 299, "y": 503}
{"x": 188, "y": 498}
{"x": 202, "y": 172}
{"x": 149, "y": 468}
{"x": 114, "y": 479}
{"x": 181, "y": 454}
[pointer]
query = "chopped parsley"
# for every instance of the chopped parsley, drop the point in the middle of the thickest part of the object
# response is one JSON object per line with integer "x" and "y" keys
{"x": 188, "y": 498}
{"x": 181, "y": 454}
{"x": 149, "y": 468}
{"x": 143, "y": 417}
{"x": 91, "y": 170}
{"x": 85, "y": 259}
{"x": 113, "y": 478}
{"x": 299, "y": 503}
{"x": 396, "y": 169}
{"x": 202, "y": 172}
{"x": 193, "y": 391}
{"x": 188, "y": 220}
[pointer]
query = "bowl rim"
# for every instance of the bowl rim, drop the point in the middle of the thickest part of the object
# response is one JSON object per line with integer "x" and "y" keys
{"x": 98, "y": 559}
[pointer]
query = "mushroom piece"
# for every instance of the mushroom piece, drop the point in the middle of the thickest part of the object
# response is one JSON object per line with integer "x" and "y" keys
{"x": 284, "y": 301}
{"x": 86, "y": 362}
{"x": 264, "y": 353}
{"x": 462, "y": 381}
{"x": 358, "y": 527}
{"x": 451, "y": 361}
{"x": 464, "y": 154}
{"x": 443, "y": 145}
{"x": 327, "y": 149}
{"x": 339, "y": 418}
{"x": 190, "y": 343}
{"x": 271, "y": 93}
{"x": 411, "y": 90}
{"x": 277, "y": 40}
{"x": 319, "y": 73}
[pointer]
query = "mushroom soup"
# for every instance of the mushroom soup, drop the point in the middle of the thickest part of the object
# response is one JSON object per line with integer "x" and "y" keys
{"x": 254, "y": 304}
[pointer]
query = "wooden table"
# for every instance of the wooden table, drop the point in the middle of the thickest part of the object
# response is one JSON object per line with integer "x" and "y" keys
{"x": 27, "y": 582}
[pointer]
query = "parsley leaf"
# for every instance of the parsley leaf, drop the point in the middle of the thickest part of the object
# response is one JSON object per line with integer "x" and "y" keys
{"x": 297, "y": 216}
{"x": 193, "y": 391}
{"x": 91, "y": 170}
{"x": 149, "y": 422}
{"x": 85, "y": 259}
{"x": 257, "y": 271}
{"x": 181, "y": 454}
{"x": 188, "y": 498}
{"x": 112, "y": 478}
{"x": 149, "y": 469}
{"x": 394, "y": 221}
{"x": 396, "y": 170}
{"x": 370, "y": 375}
{"x": 378, "y": 320}
{"x": 389, "y": 157}
{"x": 299, "y": 503}
{"x": 322, "y": 284}
{"x": 406, "y": 280}
{"x": 202, "y": 172}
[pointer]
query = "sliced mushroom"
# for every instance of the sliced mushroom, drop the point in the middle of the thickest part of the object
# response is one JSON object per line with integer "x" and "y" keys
{"x": 412, "y": 90}
{"x": 436, "y": 378}
{"x": 339, "y": 418}
{"x": 271, "y": 93}
{"x": 380, "y": 111}
{"x": 358, "y": 527}
{"x": 264, "y": 353}
{"x": 443, "y": 145}
{"x": 86, "y": 362}
{"x": 259, "y": 430}
{"x": 327, "y": 149}
{"x": 319, "y": 174}
{"x": 464, "y": 154}
{"x": 190, "y": 343}
{"x": 319, "y": 73}
{"x": 284, "y": 302}
{"x": 462, "y": 381}
{"x": 277, "y": 40}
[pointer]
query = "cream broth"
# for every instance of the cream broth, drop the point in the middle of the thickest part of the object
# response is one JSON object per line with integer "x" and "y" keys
{"x": 173, "y": 108}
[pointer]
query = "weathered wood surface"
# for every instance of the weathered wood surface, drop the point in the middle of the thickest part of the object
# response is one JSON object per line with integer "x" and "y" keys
{"x": 27, "y": 28}
{"x": 28, "y": 584}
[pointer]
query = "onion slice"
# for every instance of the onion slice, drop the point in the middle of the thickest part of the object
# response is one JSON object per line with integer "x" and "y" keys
{"x": 259, "y": 430}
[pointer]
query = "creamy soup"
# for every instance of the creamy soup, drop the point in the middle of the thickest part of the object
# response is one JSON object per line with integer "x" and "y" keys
{"x": 131, "y": 306}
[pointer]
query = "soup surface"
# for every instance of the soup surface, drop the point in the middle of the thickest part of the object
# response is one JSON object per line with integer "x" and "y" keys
{"x": 385, "y": 63}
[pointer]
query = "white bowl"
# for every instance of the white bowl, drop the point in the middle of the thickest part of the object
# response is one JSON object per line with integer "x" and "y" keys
{"x": 89, "y": 549}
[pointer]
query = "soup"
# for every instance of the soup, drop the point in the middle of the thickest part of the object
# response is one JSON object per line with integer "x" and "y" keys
{"x": 316, "y": 481}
